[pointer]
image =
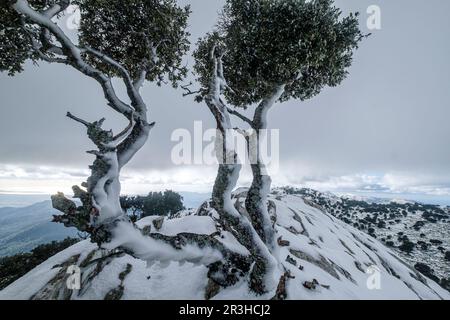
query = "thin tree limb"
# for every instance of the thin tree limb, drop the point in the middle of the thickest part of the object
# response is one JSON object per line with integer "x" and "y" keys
{"x": 79, "y": 120}
{"x": 240, "y": 116}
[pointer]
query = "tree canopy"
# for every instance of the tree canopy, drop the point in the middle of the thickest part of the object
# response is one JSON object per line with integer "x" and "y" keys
{"x": 143, "y": 36}
{"x": 15, "y": 44}
{"x": 154, "y": 204}
{"x": 306, "y": 45}
{"x": 153, "y": 29}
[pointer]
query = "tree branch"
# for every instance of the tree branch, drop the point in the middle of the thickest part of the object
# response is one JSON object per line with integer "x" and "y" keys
{"x": 126, "y": 131}
{"x": 139, "y": 82}
{"x": 188, "y": 91}
{"x": 56, "y": 9}
{"x": 72, "y": 51}
{"x": 260, "y": 115}
{"x": 37, "y": 47}
{"x": 136, "y": 99}
{"x": 134, "y": 141}
{"x": 240, "y": 116}
{"x": 84, "y": 122}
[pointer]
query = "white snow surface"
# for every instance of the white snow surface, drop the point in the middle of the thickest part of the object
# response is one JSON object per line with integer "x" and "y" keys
{"x": 333, "y": 253}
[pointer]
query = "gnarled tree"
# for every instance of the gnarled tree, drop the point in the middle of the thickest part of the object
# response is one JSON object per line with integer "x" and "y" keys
{"x": 261, "y": 276}
{"x": 134, "y": 41}
{"x": 263, "y": 52}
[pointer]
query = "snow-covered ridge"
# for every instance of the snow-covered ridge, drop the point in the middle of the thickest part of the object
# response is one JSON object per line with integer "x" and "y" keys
{"x": 327, "y": 259}
{"x": 418, "y": 232}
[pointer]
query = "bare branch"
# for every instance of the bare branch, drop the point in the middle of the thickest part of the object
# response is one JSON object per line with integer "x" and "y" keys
{"x": 125, "y": 131}
{"x": 260, "y": 115}
{"x": 134, "y": 141}
{"x": 240, "y": 116}
{"x": 188, "y": 91}
{"x": 242, "y": 132}
{"x": 79, "y": 120}
{"x": 135, "y": 97}
{"x": 37, "y": 47}
{"x": 95, "y": 153}
{"x": 72, "y": 51}
{"x": 138, "y": 83}
{"x": 46, "y": 58}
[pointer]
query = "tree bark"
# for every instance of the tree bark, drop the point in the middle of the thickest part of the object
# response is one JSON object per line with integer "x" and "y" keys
{"x": 101, "y": 199}
{"x": 256, "y": 202}
{"x": 262, "y": 272}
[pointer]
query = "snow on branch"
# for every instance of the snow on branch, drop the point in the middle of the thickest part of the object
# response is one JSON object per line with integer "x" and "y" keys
{"x": 135, "y": 97}
{"x": 260, "y": 115}
{"x": 56, "y": 9}
{"x": 240, "y": 116}
{"x": 84, "y": 122}
{"x": 74, "y": 53}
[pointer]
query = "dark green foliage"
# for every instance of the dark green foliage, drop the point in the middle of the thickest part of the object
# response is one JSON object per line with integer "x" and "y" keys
{"x": 390, "y": 243}
{"x": 117, "y": 293}
{"x": 15, "y": 43}
{"x": 15, "y": 46}
{"x": 133, "y": 205}
{"x": 76, "y": 216}
{"x": 381, "y": 224}
{"x": 122, "y": 30}
{"x": 154, "y": 204}
{"x": 418, "y": 225}
{"x": 423, "y": 245}
{"x": 158, "y": 203}
{"x": 14, "y": 267}
{"x": 407, "y": 246}
{"x": 306, "y": 45}
{"x": 445, "y": 283}
{"x": 435, "y": 242}
{"x": 426, "y": 271}
{"x": 125, "y": 31}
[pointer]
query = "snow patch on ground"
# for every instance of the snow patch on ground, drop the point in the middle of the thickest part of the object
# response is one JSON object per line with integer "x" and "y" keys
{"x": 320, "y": 249}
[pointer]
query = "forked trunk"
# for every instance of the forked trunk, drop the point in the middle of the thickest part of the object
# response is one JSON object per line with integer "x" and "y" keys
{"x": 262, "y": 274}
{"x": 256, "y": 202}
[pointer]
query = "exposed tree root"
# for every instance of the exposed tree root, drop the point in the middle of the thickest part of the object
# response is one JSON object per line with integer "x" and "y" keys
{"x": 281, "y": 292}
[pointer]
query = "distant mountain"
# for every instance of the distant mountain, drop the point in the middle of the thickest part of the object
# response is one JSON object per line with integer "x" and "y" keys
{"x": 21, "y": 200}
{"x": 22, "y": 229}
{"x": 194, "y": 199}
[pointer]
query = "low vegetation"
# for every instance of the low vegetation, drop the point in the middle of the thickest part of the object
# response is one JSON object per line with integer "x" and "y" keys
{"x": 14, "y": 267}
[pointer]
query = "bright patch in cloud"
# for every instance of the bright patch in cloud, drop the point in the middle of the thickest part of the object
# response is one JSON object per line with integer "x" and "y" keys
{"x": 49, "y": 180}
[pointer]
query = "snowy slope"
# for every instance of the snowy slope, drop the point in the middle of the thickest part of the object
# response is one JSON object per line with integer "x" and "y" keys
{"x": 321, "y": 250}
{"x": 418, "y": 232}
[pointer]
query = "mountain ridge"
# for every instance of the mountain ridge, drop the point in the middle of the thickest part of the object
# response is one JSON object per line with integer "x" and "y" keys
{"x": 326, "y": 259}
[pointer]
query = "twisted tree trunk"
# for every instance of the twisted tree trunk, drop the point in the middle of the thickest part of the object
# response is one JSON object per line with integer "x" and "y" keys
{"x": 262, "y": 277}
{"x": 100, "y": 213}
{"x": 256, "y": 202}
{"x": 101, "y": 199}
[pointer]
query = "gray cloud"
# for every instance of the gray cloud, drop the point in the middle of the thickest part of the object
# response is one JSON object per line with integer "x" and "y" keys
{"x": 390, "y": 115}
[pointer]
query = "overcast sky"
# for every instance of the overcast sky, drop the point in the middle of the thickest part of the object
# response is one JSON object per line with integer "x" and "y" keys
{"x": 385, "y": 129}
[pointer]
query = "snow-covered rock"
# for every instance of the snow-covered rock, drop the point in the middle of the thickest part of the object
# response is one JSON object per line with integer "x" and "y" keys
{"x": 417, "y": 232}
{"x": 327, "y": 259}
